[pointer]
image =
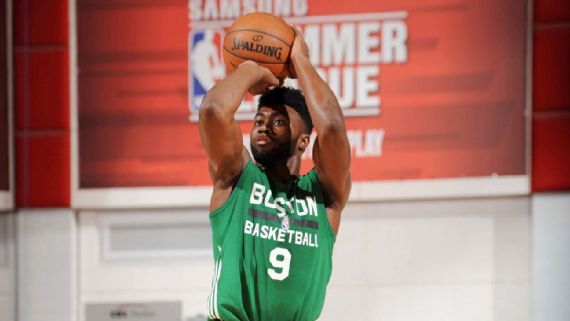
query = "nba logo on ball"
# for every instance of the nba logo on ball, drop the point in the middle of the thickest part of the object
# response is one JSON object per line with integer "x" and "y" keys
{"x": 205, "y": 63}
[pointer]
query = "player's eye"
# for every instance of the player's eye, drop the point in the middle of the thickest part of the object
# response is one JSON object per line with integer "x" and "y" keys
{"x": 258, "y": 123}
{"x": 279, "y": 122}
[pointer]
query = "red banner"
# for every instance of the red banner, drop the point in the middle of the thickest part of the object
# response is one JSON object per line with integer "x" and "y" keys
{"x": 429, "y": 89}
{"x": 4, "y": 121}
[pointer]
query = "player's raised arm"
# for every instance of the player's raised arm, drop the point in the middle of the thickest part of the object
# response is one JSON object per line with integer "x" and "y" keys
{"x": 331, "y": 152}
{"x": 220, "y": 133}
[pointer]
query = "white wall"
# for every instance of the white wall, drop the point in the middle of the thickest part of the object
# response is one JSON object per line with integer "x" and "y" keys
{"x": 551, "y": 256}
{"x": 47, "y": 265}
{"x": 432, "y": 260}
{"x": 7, "y": 267}
{"x": 142, "y": 256}
{"x": 423, "y": 260}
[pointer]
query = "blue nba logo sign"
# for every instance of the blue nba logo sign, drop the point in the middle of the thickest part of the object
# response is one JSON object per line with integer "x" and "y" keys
{"x": 205, "y": 63}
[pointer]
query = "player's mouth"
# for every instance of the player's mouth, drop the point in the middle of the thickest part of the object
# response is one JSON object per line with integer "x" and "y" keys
{"x": 263, "y": 140}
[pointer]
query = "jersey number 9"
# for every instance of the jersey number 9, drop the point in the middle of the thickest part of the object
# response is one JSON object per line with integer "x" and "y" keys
{"x": 280, "y": 258}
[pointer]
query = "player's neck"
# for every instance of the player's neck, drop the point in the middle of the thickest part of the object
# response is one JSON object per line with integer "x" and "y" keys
{"x": 284, "y": 171}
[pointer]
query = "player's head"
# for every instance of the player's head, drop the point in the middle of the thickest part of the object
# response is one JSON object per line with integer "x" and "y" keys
{"x": 282, "y": 126}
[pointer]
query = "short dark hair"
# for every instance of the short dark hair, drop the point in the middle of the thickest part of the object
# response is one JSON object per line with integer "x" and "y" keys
{"x": 294, "y": 98}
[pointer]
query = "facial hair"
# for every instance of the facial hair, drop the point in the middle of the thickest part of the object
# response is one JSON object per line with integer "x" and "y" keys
{"x": 280, "y": 153}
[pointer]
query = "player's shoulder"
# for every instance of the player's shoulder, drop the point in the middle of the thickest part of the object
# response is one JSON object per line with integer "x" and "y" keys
{"x": 311, "y": 175}
{"x": 310, "y": 180}
{"x": 250, "y": 171}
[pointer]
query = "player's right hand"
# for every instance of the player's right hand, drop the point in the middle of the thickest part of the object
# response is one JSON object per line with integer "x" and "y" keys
{"x": 265, "y": 78}
{"x": 299, "y": 50}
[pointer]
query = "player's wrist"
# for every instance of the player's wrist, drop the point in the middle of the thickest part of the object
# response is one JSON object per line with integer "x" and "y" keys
{"x": 299, "y": 58}
{"x": 296, "y": 54}
{"x": 298, "y": 63}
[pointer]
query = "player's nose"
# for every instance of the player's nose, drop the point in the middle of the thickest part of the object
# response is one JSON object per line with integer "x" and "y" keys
{"x": 263, "y": 128}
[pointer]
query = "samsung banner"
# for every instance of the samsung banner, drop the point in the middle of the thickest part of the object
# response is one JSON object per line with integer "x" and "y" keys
{"x": 430, "y": 89}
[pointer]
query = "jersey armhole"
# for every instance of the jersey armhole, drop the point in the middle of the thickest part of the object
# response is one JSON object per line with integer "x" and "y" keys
{"x": 240, "y": 181}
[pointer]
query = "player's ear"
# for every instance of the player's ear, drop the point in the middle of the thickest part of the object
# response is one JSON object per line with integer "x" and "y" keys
{"x": 303, "y": 141}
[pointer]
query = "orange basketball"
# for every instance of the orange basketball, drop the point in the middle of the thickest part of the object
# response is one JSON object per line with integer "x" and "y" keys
{"x": 261, "y": 37}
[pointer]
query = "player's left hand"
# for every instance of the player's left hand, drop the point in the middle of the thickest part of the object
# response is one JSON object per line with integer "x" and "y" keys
{"x": 265, "y": 78}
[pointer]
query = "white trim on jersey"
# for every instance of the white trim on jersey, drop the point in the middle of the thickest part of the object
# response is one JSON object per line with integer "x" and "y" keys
{"x": 213, "y": 297}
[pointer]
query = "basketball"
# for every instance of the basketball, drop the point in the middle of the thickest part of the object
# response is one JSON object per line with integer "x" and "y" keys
{"x": 261, "y": 37}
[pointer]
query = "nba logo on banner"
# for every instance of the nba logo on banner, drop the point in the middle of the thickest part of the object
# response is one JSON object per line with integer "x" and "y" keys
{"x": 206, "y": 65}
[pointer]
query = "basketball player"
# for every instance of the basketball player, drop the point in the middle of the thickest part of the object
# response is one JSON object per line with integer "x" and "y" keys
{"x": 274, "y": 229}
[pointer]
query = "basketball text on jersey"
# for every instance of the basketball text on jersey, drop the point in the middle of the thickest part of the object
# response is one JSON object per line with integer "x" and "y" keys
{"x": 280, "y": 235}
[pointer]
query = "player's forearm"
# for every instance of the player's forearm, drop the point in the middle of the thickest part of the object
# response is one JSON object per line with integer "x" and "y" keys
{"x": 323, "y": 106}
{"x": 226, "y": 96}
{"x": 220, "y": 133}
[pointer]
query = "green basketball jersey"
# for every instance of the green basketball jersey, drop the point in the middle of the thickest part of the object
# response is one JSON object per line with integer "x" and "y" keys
{"x": 272, "y": 248}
